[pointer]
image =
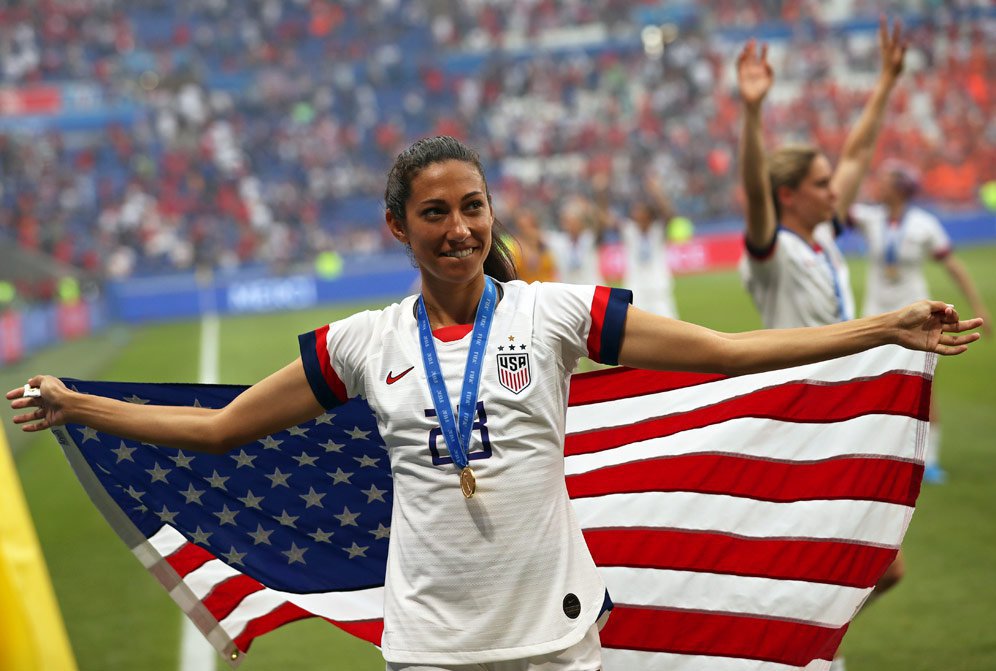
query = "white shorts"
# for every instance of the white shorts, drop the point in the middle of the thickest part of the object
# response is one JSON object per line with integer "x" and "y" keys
{"x": 586, "y": 655}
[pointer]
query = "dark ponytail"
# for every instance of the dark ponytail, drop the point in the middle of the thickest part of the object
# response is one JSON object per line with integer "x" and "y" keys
{"x": 425, "y": 152}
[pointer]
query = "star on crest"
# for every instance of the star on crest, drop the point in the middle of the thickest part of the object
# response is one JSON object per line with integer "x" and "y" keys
{"x": 511, "y": 338}
{"x": 501, "y": 348}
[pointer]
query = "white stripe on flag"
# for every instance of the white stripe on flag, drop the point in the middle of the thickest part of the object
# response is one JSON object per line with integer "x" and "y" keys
{"x": 751, "y": 437}
{"x": 828, "y": 605}
{"x": 629, "y": 410}
{"x": 861, "y": 521}
{"x": 624, "y": 660}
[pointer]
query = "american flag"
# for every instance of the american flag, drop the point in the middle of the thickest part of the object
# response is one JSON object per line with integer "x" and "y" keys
{"x": 739, "y": 523}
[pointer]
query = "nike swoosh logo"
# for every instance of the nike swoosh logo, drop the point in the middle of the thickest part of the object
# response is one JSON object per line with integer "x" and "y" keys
{"x": 391, "y": 378}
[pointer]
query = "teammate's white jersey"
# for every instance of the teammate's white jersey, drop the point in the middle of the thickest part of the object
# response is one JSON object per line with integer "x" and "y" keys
{"x": 796, "y": 284}
{"x": 896, "y": 254}
{"x": 576, "y": 258}
{"x": 505, "y": 574}
{"x": 648, "y": 274}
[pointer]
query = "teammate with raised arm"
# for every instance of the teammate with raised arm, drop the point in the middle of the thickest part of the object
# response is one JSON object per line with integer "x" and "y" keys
{"x": 498, "y": 577}
{"x": 796, "y": 206}
{"x": 901, "y": 238}
{"x": 797, "y": 202}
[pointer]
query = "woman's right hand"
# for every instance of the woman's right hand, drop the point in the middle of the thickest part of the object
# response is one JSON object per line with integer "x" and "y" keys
{"x": 45, "y": 411}
{"x": 754, "y": 75}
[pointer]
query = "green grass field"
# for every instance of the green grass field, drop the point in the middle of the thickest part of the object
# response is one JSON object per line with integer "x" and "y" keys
{"x": 119, "y": 619}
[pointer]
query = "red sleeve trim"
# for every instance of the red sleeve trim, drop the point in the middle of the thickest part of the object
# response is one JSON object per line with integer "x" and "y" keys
{"x": 325, "y": 382}
{"x": 599, "y": 303}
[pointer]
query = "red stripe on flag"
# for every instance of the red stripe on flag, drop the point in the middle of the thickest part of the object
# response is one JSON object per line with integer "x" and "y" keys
{"x": 830, "y": 562}
{"x": 328, "y": 372}
{"x": 865, "y": 478}
{"x": 189, "y": 558}
{"x": 599, "y": 304}
{"x": 612, "y": 384}
{"x": 720, "y": 635}
{"x": 368, "y": 630}
{"x": 891, "y": 394}
{"x": 227, "y": 595}
{"x": 277, "y": 617}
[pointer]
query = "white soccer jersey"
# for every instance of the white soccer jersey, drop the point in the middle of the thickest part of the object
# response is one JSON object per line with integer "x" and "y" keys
{"x": 796, "y": 284}
{"x": 505, "y": 574}
{"x": 648, "y": 275}
{"x": 896, "y": 254}
{"x": 577, "y": 259}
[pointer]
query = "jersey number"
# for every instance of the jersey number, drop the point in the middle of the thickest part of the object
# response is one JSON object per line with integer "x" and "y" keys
{"x": 480, "y": 424}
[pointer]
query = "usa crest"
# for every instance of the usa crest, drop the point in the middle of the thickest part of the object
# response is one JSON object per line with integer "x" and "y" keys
{"x": 513, "y": 371}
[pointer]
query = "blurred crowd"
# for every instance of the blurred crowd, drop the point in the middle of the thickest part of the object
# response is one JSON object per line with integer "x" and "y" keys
{"x": 267, "y": 128}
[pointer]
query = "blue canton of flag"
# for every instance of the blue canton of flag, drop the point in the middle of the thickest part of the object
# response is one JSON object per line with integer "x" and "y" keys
{"x": 303, "y": 511}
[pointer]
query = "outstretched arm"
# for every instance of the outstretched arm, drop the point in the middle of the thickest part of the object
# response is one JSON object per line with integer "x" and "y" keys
{"x": 964, "y": 281}
{"x": 659, "y": 343}
{"x": 281, "y": 400}
{"x": 754, "y": 78}
{"x": 860, "y": 143}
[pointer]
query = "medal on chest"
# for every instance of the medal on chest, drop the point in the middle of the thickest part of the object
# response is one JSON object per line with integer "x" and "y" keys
{"x": 456, "y": 430}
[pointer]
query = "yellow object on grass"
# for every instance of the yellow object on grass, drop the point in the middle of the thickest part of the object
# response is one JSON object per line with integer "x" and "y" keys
{"x": 32, "y": 635}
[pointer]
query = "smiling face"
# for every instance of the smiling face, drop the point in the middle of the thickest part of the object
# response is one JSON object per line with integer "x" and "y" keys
{"x": 447, "y": 224}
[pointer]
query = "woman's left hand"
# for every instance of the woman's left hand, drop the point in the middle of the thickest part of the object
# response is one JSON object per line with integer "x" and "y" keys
{"x": 933, "y": 326}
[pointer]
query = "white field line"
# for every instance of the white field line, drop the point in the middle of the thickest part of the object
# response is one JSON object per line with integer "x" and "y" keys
{"x": 196, "y": 654}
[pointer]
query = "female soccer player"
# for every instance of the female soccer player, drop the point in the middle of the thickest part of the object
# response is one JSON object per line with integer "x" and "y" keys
{"x": 500, "y": 576}
{"x": 901, "y": 237}
{"x": 796, "y": 204}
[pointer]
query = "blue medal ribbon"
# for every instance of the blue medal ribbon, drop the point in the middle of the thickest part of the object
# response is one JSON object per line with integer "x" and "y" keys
{"x": 458, "y": 442}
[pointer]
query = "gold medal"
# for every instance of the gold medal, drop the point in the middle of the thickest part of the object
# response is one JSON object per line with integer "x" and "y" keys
{"x": 468, "y": 483}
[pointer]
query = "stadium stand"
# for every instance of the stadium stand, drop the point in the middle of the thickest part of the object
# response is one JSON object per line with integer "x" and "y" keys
{"x": 147, "y": 136}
